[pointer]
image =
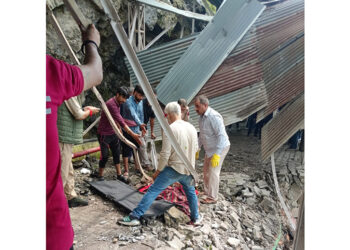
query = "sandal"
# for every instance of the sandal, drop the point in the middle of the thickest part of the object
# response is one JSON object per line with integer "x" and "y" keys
{"x": 208, "y": 201}
{"x": 126, "y": 174}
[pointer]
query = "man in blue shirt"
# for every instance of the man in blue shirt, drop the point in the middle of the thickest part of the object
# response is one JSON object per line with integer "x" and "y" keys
{"x": 216, "y": 144}
{"x": 132, "y": 112}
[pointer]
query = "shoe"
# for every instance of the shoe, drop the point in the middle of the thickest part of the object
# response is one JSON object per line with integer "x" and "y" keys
{"x": 207, "y": 200}
{"x": 122, "y": 179}
{"x": 127, "y": 221}
{"x": 197, "y": 222}
{"x": 77, "y": 202}
{"x": 100, "y": 178}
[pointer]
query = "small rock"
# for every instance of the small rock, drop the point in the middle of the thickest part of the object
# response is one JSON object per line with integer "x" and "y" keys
{"x": 85, "y": 171}
{"x": 103, "y": 222}
{"x": 261, "y": 184}
{"x": 257, "y": 190}
{"x": 215, "y": 226}
{"x": 251, "y": 201}
{"x": 224, "y": 226}
{"x": 215, "y": 240}
{"x": 205, "y": 229}
{"x": 234, "y": 218}
{"x": 257, "y": 234}
{"x": 257, "y": 248}
{"x": 207, "y": 242}
{"x": 173, "y": 217}
{"x": 115, "y": 240}
{"x": 233, "y": 242}
{"x": 265, "y": 192}
{"x": 247, "y": 223}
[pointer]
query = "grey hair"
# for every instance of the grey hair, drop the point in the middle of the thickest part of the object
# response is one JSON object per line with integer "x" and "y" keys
{"x": 202, "y": 99}
{"x": 172, "y": 107}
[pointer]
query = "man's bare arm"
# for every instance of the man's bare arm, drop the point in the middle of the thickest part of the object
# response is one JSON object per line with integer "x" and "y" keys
{"x": 92, "y": 68}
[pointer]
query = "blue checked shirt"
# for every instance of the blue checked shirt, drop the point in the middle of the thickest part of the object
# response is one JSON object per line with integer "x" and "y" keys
{"x": 134, "y": 111}
{"x": 212, "y": 134}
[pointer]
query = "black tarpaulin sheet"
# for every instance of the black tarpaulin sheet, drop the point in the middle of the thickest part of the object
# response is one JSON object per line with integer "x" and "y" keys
{"x": 128, "y": 197}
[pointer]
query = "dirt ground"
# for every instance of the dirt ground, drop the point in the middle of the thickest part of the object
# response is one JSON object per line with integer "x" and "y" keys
{"x": 96, "y": 227}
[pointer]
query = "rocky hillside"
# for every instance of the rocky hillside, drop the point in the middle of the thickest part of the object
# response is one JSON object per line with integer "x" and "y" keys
{"x": 115, "y": 71}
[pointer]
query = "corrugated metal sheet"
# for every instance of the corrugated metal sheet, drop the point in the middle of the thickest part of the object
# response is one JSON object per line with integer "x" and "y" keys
{"x": 157, "y": 62}
{"x": 164, "y": 6}
{"x": 235, "y": 106}
{"x": 241, "y": 68}
{"x": 283, "y": 126}
{"x": 284, "y": 87}
{"x": 279, "y": 24}
{"x": 209, "y": 50}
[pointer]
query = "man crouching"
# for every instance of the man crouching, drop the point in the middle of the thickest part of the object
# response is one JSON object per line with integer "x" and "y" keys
{"x": 171, "y": 169}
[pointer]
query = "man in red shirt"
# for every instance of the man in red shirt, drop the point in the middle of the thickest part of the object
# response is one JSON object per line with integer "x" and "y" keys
{"x": 64, "y": 81}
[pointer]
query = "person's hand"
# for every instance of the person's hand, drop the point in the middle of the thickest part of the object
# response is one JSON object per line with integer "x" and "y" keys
{"x": 155, "y": 175}
{"x": 91, "y": 33}
{"x": 137, "y": 138}
{"x": 215, "y": 159}
{"x": 153, "y": 136}
{"x": 197, "y": 154}
{"x": 94, "y": 110}
{"x": 143, "y": 129}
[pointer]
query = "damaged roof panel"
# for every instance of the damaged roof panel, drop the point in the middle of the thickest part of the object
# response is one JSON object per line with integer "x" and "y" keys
{"x": 234, "y": 106}
{"x": 283, "y": 76}
{"x": 283, "y": 126}
{"x": 157, "y": 62}
{"x": 164, "y": 6}
{"x": 241, "y": 67}
{"x": 209, "y": 50}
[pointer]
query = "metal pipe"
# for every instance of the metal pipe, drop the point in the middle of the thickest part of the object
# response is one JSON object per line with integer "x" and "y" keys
{"x": 86, "y": 152}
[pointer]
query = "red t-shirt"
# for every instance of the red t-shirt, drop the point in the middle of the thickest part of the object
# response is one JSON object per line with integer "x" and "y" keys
{"x": 62, "y": 82}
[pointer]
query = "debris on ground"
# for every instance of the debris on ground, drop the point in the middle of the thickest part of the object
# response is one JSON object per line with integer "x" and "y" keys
{"x": 247, "y": 215}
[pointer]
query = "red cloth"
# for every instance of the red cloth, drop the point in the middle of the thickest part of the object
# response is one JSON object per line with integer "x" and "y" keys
{"x": 62, "y": 82}
{"x": 174, "y": 194}
{"x": 104, "y": 127}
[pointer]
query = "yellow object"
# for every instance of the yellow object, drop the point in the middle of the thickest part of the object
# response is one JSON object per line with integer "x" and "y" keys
{"x": 197, "y": 155}
{"x": 215, "y": 159}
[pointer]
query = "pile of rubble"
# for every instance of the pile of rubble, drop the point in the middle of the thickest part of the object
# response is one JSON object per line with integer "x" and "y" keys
{"x": 246, "y": 216}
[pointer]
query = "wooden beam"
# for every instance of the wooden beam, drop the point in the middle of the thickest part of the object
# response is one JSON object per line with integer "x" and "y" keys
{"x": 76, "y": 13}
{"x": 132, "y": 32}
{"x": 92, "y": 125}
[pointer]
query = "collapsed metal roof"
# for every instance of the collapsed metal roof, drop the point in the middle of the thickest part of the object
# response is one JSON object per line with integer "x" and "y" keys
{"x": 164, "y": 6}
{"x": 270, "y": 55}
{"x": 282, "y": 127}
{"x": 270, "y": 40}
{"x": 233, "y": 106}
{"x": 208, "y": 50}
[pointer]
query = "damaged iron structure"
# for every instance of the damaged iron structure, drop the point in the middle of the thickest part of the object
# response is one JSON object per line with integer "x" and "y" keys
{"x": 259, "y": 65}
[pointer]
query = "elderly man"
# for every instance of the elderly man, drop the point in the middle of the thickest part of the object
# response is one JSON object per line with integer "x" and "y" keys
{"x": 216, "y": 144}
{"x": 171, "y": 168}
{"x": 64, "y": 81}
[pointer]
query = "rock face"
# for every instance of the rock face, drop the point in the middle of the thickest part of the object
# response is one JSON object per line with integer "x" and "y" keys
{"x": 115, "y": 71}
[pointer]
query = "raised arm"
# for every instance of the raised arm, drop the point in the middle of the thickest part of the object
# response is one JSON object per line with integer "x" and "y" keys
{"x": 92, "y": 67}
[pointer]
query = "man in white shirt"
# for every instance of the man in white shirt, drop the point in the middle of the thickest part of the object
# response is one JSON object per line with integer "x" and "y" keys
{"x": 171, "y": 169}
{"x": 216, "y": 144}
